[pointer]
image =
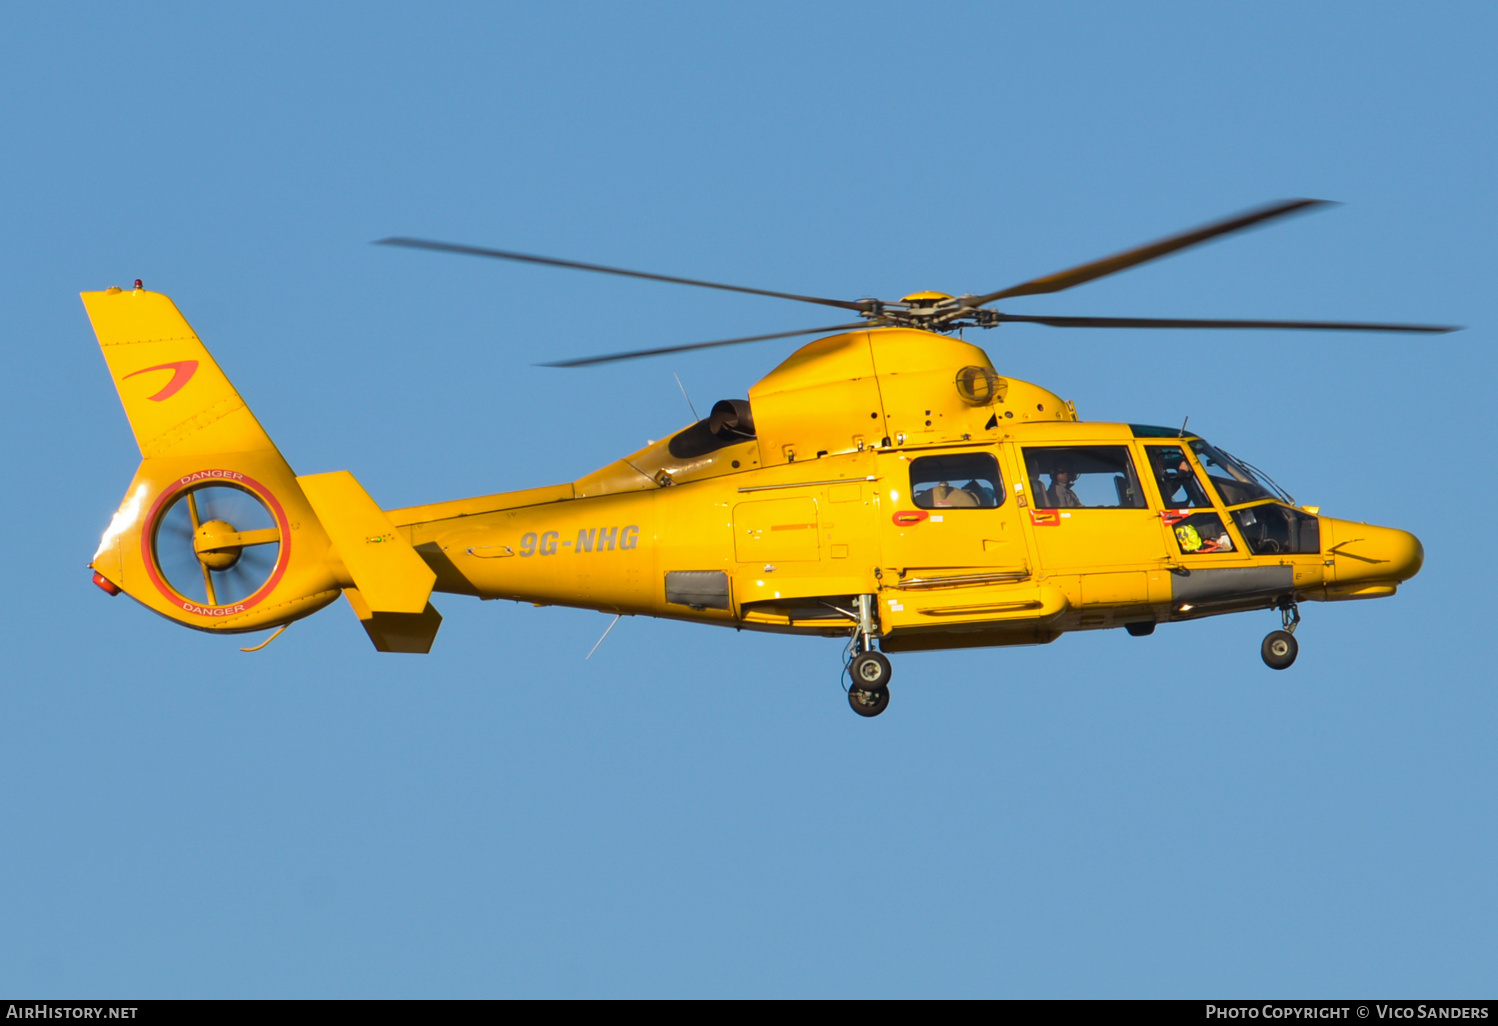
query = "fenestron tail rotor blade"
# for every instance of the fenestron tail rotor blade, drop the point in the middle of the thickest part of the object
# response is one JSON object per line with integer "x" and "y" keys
{"x": 500, "y": 254}
{"x": 1130, "y": 258}
{"x": 1175, "y": 322}
{"x": 638, "y": 353}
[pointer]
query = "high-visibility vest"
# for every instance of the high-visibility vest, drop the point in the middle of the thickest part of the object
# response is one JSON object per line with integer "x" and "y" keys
{"x": 1189, "y": 538}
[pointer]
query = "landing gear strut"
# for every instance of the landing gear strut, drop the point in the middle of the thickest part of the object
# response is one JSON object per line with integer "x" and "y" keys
{"x": 868, "y": 670}
{"x": 1280, "y": 647}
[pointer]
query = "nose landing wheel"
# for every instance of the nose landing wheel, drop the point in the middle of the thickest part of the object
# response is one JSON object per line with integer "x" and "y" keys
{"x": 1279, "y": 650}
{"x": 1280, "y": 647}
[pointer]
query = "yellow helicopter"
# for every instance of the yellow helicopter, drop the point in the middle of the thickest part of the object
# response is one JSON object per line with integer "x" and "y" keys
{"x": 884, "y": 484}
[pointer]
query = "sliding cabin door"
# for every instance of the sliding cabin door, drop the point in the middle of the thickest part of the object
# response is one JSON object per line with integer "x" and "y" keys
{"x": 948, "y": 514}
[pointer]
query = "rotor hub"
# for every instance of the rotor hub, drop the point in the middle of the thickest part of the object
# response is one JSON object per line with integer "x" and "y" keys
{"x": 925, "y": 299}
{"x": 217, "y": 545}
{"x": 933, "y": 311}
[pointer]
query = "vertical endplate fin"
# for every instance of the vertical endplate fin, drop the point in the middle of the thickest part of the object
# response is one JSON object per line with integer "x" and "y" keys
{"x": 396, "y": 632}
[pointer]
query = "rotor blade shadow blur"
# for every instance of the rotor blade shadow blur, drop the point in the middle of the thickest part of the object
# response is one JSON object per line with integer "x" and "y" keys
{"x": 1152, "y": 251}
{"x": 587, "y": 361}
{"x": 1173, "y": 322}
{"x": 939, "y": 312}
{"x": 500, "y": 254}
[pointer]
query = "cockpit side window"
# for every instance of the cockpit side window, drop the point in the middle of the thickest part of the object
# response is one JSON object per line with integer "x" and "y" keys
{"x": 1198, "y": 533}
{"x": 1272, "y": 529}
{"x": 955, "y": 481}
{"x": 1179, "y": 486}
{"x": 1234, "y": 482}
{"x": 1083, "y": 476}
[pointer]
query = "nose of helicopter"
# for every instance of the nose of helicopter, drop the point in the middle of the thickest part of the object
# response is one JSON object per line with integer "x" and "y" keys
{"x": 1365, "y": 553}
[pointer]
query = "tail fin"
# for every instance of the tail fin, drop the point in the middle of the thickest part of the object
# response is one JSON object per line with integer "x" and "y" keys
{"x": 216, "y": 532}
{"x": 178, "y": 401}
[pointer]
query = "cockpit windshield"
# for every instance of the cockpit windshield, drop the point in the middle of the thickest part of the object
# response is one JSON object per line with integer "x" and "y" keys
{"x": 1236, "y": 482}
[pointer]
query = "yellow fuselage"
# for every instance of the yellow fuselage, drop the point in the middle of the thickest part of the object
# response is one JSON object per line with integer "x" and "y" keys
{"x": 796, "y": 540}
{"x": 890, "y": 465}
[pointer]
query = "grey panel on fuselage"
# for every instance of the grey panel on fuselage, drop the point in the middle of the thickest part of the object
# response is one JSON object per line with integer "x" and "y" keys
{"x": 1231, "y": 583}
{"x": 700, "y": 589}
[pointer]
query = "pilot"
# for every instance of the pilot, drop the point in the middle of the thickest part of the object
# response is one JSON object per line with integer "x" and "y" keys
{"x": 1178, "y": 484}
{"x": 1060, "y": 494}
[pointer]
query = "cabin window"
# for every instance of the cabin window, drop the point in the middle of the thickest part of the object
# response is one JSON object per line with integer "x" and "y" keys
{"x": 955, "y": 481}
{"x": 1179, "y": 486}
{"x": 1272, "y": 529}
{"x": 1083, "y": 476}
{"x": 1200, "y": 533}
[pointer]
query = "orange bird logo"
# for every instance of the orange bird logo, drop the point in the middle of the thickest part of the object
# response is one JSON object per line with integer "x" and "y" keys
{"x": 182, "y": 372}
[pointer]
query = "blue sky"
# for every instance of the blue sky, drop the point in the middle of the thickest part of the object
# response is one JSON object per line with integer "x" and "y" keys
{"x": 695, "y": 812}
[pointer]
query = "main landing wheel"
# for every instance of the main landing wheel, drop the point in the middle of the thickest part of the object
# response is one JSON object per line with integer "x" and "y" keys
{"x": 870, "y": 671}
{"x": 1279, "y": 650}
{"x": 868, "y": 694}
{"x": 868, "y": 703}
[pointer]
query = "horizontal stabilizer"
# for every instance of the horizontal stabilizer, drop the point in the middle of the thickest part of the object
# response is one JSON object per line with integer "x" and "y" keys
{"x": 390, "y": 576}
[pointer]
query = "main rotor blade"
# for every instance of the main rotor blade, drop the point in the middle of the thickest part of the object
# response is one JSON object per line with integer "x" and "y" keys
{"x": 1122, "y": 261}
{"x": 1175, "y": 322}
{"x": 500, "y": 254}
{"x": 637, "y": 353}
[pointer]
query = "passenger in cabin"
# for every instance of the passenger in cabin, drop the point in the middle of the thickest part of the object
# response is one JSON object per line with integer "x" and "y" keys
{"x": 956, "y": 481}
{"x": 945, "y": 496}
{"x": 1060, "y": 494}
